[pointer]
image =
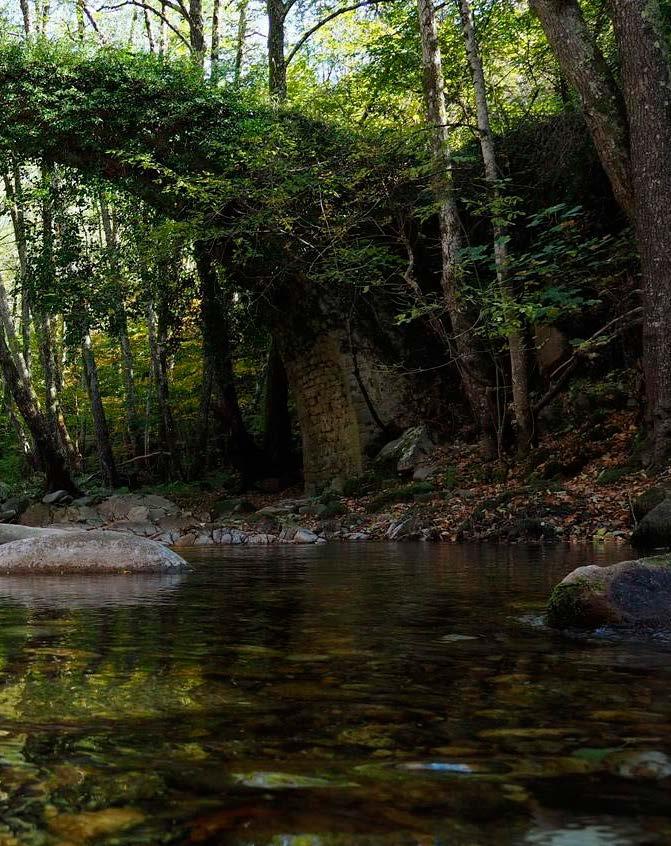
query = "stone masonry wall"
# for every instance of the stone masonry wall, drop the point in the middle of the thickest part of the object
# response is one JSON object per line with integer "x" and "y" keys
{"x": 326, "y": 413}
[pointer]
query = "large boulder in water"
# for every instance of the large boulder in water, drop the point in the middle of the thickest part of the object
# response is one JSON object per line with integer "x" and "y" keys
{"x": 88, "y": 552}
{"x": 631, "y": 593}
{"x": 654, "y": 530}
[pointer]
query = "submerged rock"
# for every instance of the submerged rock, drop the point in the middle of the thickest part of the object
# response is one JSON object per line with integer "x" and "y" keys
{"x": 95, "y": 551}
{"x": 631, "y": 593}
{"x": 654, "y": 530}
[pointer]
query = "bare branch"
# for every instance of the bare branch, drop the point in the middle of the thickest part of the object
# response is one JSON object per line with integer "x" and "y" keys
{"x": 148, "y": 8}
{"x": 310, "y": 32}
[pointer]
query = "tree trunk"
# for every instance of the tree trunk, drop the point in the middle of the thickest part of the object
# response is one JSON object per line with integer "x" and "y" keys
{"x": 14, "y": 191}
{"x": 471, "y": 363}
{"x": 214, "y": 42}
{"x": 585, "y": 68}
{"x": 53, "y": 404}
{"x": 277, "y": 66}
{"x": 158, "y": 363}
{"x": 515, "y": 335}
{"x": 133, "y": 422}
{"x": 47, "y": 341}
{"x": 100, "y": 427}
{"x": 51, "y": 459}
{"x": 242, "y": 451}
{"x": 646, "y": 79}
{"x": 25, "y": 14}
{"x": 240, "y": 40}
{"x": 200, "y": 463}
{"x": 277, "y": 421}
{"x": 197, "y": 31}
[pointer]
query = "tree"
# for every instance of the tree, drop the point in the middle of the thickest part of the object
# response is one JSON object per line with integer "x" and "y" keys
{"x": 469, "y": 359}
{"x": 631, "y": 130}
{"x": 515, "y": 333}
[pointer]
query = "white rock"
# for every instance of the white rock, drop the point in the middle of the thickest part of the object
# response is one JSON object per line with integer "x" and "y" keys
{"x": 97, "y": 551}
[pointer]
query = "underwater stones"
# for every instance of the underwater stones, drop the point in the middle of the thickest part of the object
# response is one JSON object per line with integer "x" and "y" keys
{"x": 91, "y": 825}
{"x": 631, "y": 593}
{"x": 654, "y": 530}
{"x": 94, "y": 551}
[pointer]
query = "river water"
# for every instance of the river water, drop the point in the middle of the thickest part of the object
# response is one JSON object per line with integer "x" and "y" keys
{"x": 346, "y": 694}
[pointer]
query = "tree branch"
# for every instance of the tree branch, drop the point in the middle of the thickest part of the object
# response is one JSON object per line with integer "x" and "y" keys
{"x": 310, "y": 32}
{"x": 149, "y": 8}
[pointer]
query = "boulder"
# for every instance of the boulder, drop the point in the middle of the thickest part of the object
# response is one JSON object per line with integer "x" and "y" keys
{"x": 96, "y": 551}
{"x": 37, "y": 514}
{"x": 10, "y": 532}
{"x": 55, "y": 497}
{"x": 648, "y": 500}
{"x": 16, "y": 503}
{"x": 412, "y": 449}
{"x": 654, "y": 530}
{"x": 305, "y": 536}
{"x": 631, "y": 593}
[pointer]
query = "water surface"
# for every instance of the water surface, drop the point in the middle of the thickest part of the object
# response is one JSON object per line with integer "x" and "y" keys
{"x": 348, "y": 694}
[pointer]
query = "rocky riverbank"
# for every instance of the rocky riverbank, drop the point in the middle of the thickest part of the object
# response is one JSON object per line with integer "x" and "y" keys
{"x": 572, "y": 489}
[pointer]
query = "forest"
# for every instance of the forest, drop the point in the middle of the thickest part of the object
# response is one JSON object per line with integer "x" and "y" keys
{"x": 288, "y": 289}
{"x": 244, "y": 246}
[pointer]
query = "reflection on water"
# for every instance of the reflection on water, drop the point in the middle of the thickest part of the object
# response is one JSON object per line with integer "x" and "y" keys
{"x": 368, "y": 695}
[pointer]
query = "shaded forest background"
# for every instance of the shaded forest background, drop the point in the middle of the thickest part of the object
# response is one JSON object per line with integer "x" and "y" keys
{"x": 155, "y": 288}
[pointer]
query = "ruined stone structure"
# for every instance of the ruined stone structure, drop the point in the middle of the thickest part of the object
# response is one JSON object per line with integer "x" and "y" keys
{"x": 336, "y": 422}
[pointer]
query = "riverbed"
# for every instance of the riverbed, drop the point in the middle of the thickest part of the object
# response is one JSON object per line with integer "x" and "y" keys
{"x": 381, "y": 695}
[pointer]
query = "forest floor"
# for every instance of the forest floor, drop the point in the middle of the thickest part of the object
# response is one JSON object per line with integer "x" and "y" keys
{"x": 577, "y": 486}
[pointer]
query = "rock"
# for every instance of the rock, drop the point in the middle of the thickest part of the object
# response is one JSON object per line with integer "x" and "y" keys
{"x": 91, "y": 825}
{"x": 186, "y": 540}
{"x": 37, "y": 514}
{"x": 119, "y": 506}
{"x": 55, "y": 497}
{"x": 357, "y": 536}
{"x": 408, "y": 451}
{"x": 97, "y": 551}
{"x": 7, "y": 516}
{"x": 531, "y": 529}
{"x": 176, "y": 523}
{"x": 275, "y": 510}
{"x": 648, "y": 500}
{"x": 423, "y": 472}
{"x": 647, "y": 765}
{"x": 404, "y": 529}
{"x": 84, "y": 501}
{"x": 138, "y": 514}
{"x": 654, "y": 530}
{"x": 629, "y": 593}
{"x": 261, "y": 539}
{"x": 11, "y": 532}
{"x": 16, "y": 503}
{"x": 143, "y": 530}
{"x": 305, "y": 536}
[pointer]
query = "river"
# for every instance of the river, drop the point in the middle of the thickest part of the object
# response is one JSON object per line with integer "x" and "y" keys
{"x": 374, "y": 695}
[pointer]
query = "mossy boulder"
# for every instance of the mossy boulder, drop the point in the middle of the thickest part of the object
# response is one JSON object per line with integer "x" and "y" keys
{"x": 631, "y": 593}
{"x": 654, "y": 530}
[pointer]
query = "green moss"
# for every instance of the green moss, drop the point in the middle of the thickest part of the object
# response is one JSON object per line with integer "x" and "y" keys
{"x": 566, "y": 607}
{"x": 612, "y": 475}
